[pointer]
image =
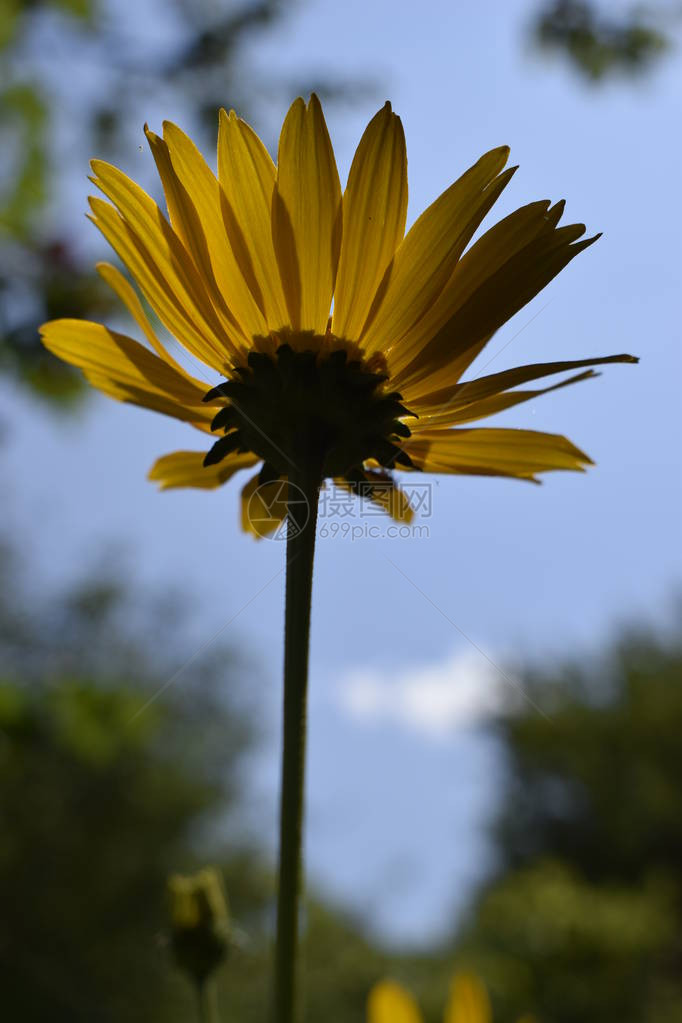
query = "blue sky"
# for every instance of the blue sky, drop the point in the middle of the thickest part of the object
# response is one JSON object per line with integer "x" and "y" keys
{"x": 401, "y": 779}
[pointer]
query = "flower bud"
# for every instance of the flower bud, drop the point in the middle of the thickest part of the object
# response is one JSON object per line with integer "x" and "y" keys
{"x": 200, "y": 923}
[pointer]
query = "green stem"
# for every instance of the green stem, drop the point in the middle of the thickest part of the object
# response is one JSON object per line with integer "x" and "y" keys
{"x": 206, "y": 1007}
{"x": 303, "y": 483}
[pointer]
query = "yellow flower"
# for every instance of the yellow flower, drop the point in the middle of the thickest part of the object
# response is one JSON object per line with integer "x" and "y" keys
{"x": 244, "y": 273}
{"x": 468, "y": 1003}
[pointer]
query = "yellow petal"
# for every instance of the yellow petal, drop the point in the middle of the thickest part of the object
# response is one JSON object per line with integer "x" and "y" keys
{"x": 388, "y": 1002}
{"x": 468, "y": 1002}
{"x": 509, "y": 237}
{"x": 186, "y": 469}
{"x": 307, "y": 216}
{"x": 165, "y": 248}
{"x": 452, "y": 415}
{"x": 150, "y": 400}
{"x": 401, "y": 352}
{"x": 184, "y": 218}
{"x": 493, "y": 452}
{"x": 264, "y": 508}
{"x": 384, "y": 493}
{"x": 97, "y": 350}
{"x": 427, "y": 256}
{"x": 127, "y": 294}
{"x": 489, "y": 253}
{"x": 126, "y": 371}
{"x": 443, "y": 378}
{"x": 440, "y": 404}
{"x": 163, "y": 290}
{"x": 247, "y": 177}
{"x": 202, "y": 209}
{"x": 374, "y": 211}
{"x": 499, "y": 293}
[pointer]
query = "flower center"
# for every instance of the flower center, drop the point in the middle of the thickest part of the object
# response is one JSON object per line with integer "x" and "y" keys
{"x": 322, "y": 404}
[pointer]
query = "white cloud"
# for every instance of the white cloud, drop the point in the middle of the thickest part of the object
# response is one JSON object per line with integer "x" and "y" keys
{"x": 431, "y": 699}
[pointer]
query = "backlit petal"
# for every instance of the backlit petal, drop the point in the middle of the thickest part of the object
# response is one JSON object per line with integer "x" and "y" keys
{"x": 452, "y": 415}
{"x": 186, "y": 469}
{"x": 460, "y": 396}
{"x": 492, "y": 295}
{"x": 195, "y": 285}
{"x": 163, "y": 290}
{"x": 199, "y": 199}
{"x": 127, "y": 294}
{"x": 490, "y": 252}
{"x": 125, "y": 369}
{"x": 247, "y": 177}
{"x": 468, "y": 1001}
{"x": 385, "y": 494}
{"x": 390, "y": 1003}
{"x": 427, "y": 256}
{"x": 307, "y": 216}
{"x": 494, "y": 452}
{"x": 264, "y": 506}
{"x": 374, "y": 211}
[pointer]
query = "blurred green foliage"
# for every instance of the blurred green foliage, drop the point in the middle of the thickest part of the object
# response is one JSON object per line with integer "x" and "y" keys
{"x": 584, "y": 919}
{"x": 22, "y": 123}
{"x": 203, "y": 64}
{"x": 601, "y": 43}
{"x": 102, "y": 796}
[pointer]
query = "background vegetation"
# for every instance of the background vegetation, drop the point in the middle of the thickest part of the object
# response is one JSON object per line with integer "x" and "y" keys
{"x": 102, "y": 796}
{"x": 584, "y": 917}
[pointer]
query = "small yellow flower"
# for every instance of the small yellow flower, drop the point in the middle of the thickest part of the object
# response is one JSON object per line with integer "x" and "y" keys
{"x": 331, "y": 336}
{"x": 468, "y": 1002}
